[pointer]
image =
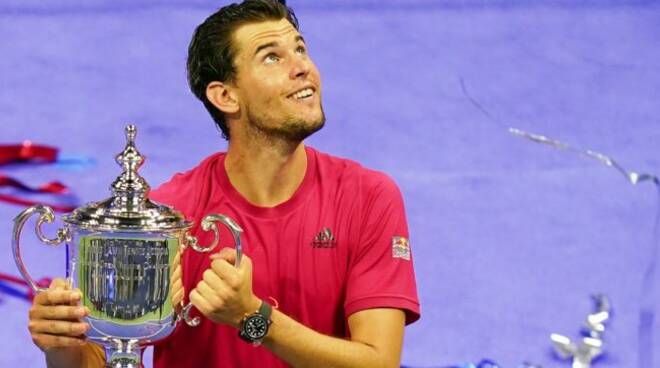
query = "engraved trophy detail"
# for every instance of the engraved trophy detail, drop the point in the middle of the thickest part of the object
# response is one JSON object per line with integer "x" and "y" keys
{"x": 121, "y": 253}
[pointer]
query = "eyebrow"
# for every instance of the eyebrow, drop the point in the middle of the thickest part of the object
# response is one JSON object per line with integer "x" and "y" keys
{"x": 274, "y": 44}
{"x": 265, "y": 46}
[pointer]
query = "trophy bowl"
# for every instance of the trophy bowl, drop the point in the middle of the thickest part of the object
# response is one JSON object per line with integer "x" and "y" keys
{"x": 121, "y": 253}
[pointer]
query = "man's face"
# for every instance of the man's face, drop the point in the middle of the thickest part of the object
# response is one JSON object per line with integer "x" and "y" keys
{"x": 278, "y": 85}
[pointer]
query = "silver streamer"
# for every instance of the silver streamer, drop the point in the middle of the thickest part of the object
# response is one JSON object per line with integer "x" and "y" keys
{"x": 591, "y": 346}
{"x": 631, "y": 176}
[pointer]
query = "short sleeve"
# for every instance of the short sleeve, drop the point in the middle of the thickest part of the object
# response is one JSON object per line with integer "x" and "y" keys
{"x": 381, "y": 273}
{"x": 186, "y": 191}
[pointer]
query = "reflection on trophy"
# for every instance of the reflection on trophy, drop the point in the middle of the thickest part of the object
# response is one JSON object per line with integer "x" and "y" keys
{"x": 121, "y": 253}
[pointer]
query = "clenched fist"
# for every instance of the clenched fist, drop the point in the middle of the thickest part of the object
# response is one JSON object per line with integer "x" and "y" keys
{"x": 56, "y": 317}
{"x": 224, "y": 295}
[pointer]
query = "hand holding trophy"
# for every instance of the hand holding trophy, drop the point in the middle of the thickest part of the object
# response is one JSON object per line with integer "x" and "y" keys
{"x": 122, "y": 253}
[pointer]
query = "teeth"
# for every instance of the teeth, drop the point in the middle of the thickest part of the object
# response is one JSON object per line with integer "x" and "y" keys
{"x": 304, "y": 93}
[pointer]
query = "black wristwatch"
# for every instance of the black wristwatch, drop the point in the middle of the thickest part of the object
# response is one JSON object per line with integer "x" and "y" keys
{"x": 254, "y": 327}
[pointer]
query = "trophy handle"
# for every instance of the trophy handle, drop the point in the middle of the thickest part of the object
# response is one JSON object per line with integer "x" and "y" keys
{"x": 209, "y": 223}
{"x": 45, "y": 215}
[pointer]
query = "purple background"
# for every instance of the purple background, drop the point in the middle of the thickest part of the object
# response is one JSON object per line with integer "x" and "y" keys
{"x": 509, "y": 238}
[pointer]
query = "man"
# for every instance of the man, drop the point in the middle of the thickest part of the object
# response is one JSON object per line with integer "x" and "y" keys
{"x": 327, "y": 272}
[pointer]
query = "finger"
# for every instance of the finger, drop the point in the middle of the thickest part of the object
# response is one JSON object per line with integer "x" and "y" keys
{"x": 76, "y": 297}
{"x": 57, "y": 297}
{"x": 228, "y": 254}
{"x": 177, "y": 285}
{"x": 177, "y": 298}
{"x": 46, "y": 341}
{"x": 59, "y": 283}
{"x": 200, "y": 303}
{"x": 209, "y": 294}
{"x": 210, "y": 277}
{"x": 60, "y": 328}
{"x": 226, "y": 272}
{"x": 177, "y": 259}
{"x": 177, "y": 273}
{"x": 58, "y": 312}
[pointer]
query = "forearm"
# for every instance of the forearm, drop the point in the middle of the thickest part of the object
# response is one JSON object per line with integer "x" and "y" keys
{"x": 89, "y": 355}
{"x": 301, "y": 346}
{"x": 64, "y": 357}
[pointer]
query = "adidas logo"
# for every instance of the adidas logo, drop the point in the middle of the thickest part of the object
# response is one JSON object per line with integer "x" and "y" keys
{"x": 324, "y": 239}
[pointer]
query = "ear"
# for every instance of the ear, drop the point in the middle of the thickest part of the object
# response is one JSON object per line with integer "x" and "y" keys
{"x": 223, "y": 97}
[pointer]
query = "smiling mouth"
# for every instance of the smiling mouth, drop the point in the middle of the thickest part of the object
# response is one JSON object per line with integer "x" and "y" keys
{"x": 302, "y": 94}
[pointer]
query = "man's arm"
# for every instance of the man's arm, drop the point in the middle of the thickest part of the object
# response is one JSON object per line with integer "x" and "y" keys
{"x": 56, "y": 327}
{"x": 376, "y": 340}
{"x": 224, "y": 295}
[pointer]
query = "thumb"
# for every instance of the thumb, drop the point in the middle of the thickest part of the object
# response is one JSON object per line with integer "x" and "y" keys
{"x": 228, "y": 254}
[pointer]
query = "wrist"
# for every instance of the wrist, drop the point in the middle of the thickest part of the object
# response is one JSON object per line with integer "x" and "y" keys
{"x": 251, "y": 307}
{"x": 254, "y": 327}
{"x": 254, "y": 305}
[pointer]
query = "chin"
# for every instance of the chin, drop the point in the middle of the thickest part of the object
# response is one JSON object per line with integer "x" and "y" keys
{"x": 301, "y": 128}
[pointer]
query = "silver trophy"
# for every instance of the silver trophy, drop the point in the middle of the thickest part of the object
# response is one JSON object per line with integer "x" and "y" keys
{"x": 121, "y": 253}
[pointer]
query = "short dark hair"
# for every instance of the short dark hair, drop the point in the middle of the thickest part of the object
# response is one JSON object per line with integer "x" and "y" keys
{"x": 211, "y": 52}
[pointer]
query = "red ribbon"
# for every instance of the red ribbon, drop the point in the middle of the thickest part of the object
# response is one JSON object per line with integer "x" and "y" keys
{"x": 26, "y": 152}
{"x": 29, "y": 294}
{"x": 30, "y": 153}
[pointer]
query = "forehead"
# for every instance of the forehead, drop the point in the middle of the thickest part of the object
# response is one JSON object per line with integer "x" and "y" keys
{"x": 250, "y": 36}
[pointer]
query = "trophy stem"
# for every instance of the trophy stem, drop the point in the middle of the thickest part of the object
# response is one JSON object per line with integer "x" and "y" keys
{"x": 123, "y": 354}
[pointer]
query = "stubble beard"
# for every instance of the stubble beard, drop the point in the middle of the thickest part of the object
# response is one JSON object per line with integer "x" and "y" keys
{"x": 291, "y": 131}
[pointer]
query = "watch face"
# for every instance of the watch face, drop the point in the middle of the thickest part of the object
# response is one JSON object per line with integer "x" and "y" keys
{"x": 256, "y": 327}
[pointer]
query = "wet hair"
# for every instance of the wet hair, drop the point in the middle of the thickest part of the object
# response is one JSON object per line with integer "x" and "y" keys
{"x": 211, "y": 51}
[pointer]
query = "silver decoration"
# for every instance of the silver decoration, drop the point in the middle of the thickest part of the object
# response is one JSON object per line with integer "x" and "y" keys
{"x": 591, "y": 344}
{"x": 647, "y": 306}
{"x": 121, "y": 254}
{"x": 529, "y": 365}
{"x": 633, "y": 177}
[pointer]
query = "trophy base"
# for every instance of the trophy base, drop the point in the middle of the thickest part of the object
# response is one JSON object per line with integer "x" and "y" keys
{"x": 123, "y": 354}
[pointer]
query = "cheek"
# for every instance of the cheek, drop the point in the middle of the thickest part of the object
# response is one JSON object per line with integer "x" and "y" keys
{"x": 267, "y": 93}
{"x": 315, "y": 74}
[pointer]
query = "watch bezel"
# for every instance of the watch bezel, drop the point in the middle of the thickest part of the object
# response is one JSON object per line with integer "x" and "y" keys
{"x": 262, "y": 315}
{"x": 251, "y": 320}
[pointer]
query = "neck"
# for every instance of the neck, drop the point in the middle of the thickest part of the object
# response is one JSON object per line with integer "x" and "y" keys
{"x": 265, "y": 173}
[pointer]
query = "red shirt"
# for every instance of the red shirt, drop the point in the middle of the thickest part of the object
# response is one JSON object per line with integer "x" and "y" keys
{"x": 337, "y": 246}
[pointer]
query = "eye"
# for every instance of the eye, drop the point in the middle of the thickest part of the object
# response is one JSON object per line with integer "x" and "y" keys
{"x": 301, "y": 50}
{"x": 271, "y": 58}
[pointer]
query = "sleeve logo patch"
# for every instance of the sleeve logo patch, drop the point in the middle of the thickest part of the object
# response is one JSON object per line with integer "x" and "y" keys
{"x": 400, "y": 248}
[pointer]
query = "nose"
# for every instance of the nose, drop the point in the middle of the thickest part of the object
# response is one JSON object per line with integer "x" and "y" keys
{"x": 300, "y": 66}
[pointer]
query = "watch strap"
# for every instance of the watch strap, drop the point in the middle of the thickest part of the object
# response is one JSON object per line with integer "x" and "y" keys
{"x": 265, "y": 310}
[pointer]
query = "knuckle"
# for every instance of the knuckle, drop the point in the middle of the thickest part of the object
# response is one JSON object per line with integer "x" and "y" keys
{"x": 38, "y": 340}
{"x": 71, "y": 313}
{"x": 40, "y": 298}
{"x": 202, "y": 287}
{"x": 61, "y": 341}
{"x": 58, "y": 283}
{"x": 234, "y": 282}
{"x": 225, "y": 294}
{"x": 206, "y": 276}
{"x": 194, "y": 296}
{"x": 52, "y": 327}
{"x": 49, "y": 297}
